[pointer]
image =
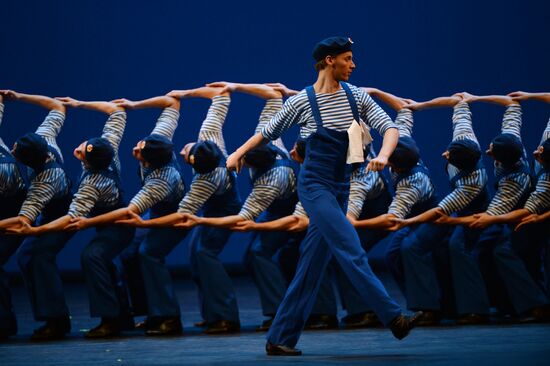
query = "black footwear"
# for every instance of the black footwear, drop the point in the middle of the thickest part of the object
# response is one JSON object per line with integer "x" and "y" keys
{"x": 472, "y": 319}
{"x": 321, "y": 322}
{"x": 126, "y": 322}
{"x": 401, "y": 325}
{"x": 222, "y": 327}
{"x": 266, "y": 324}
{"x": 169, "y": 326}
{"x": 540, "y": 314}
{"x": 141, "y": 325}
{"x": 52, "y": 330}
{"x": 109, "y": 327}
{"x": 429, "y": 318}
{"x": 361, "y": 320}
{"x": 201, "y": 324}
{"x": 281, "y": 350}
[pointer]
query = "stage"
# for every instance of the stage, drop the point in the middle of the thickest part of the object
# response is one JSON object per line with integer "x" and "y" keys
{"x": 443, "y": 345}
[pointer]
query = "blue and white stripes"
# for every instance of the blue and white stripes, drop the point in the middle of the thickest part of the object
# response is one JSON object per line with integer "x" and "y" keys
{"x": 95, "y": 188}
{"x": 11, "y": 181}
{"x": 539, "y": 200}
{"x": 51, "y": 183}
{"x": 335, "y": 113}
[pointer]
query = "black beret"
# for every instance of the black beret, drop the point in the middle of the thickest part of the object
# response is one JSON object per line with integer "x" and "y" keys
{"x": 261, "y": 157}
{"x": 158, "y": 150}
{"x": 205, "y": 156}
{"x": 464, "y": 154}
{"x": 507, "y": 149}
{"x": 99, "y": 153}
{"x": 31, "y": 149}
{"x": 406, "y": 154}
{"x": 331, "y": 47}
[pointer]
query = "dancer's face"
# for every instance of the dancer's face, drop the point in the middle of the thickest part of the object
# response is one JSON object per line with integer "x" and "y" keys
{"x": 538, "y": 154}
{"x": 185, "y": 151}
{"x": 80, "y": 151}
{"x": 341, "y": 65}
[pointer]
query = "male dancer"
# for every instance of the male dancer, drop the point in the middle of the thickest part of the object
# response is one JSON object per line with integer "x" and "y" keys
{"x": 213, "y": 190}
{"x": 409, "y": 254}
{"x": 469, "y": 195}
{"x": 325, "y": 112}
{"x": 48, "y": 198}
{"x": 99, "y": 191}
{"x": 162, "y": 190}
{"x": 12, "y": 195}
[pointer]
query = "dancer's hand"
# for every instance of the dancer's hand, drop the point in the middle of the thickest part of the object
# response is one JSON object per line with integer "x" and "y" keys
{"x": 68, "y": 101}
{"x": 124, "y": 103}
{"x": 133, "y": 219}
{"x": 528, "y": 220}
{"x": 377, "y": 164}
{"x": 227, "y": 87}
{"x": 235, "y": 162}
{"x": 519, "y": 96}
{"x": 283, "y": 89}
{"x": 78, "y": 223}
{"x": 244, "y": 226}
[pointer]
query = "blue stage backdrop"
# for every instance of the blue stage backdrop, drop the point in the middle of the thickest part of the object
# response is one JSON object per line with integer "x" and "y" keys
{"x": 416, "y": 49}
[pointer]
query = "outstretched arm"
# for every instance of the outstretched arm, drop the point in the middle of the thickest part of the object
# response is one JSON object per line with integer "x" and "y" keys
{"x": 81, "y": 223}
{"x": 163, "y": 221}
{"x": 235, "y": 161}
{"x": 533, "y": 219}
{"x": 161, "y": 102}
{"x": 26, "y": 228}
{"x": 391, "y": 100}
{"x": 383, "y": 222}
{"x": 440, "y": 102}
{"x": 520, "y": 96}
{"x": 223, "y": 222}
{"x": 503, "y": 100}
{"x": 258, "y": 90}
{"x": 288, "y": 223}
{"x": 206, "y": 92}
{"x": 104, "y": 107}
{"x": 39, "y": 100}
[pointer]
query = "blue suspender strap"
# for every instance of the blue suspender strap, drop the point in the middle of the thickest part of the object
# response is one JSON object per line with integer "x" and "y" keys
{"x": 351, "y": 100}
{"x": 314, "y": 106}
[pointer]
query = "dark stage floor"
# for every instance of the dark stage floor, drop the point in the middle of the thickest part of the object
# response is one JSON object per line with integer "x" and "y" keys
{"x": 486, "y": 345}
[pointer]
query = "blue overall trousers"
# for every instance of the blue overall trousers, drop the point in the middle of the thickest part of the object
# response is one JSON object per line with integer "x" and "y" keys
{"x": 467, "y": 247}
{"x": 352, "y": 301}
{"x": 323, "y": 188}
{"x": 158, "y": 243}
{"x": 409, "y": 255}
{"x": 518, "y": 260}
{"x": 10, "y": 207}
{"x": 217, "y": 297}
{"x": 37, "y": 255}
{"x": 106, "y": 291}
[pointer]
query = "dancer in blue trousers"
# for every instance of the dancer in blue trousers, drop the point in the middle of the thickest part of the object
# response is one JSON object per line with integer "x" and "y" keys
{"x": 469, "y": 195}
{"x": 48, "y": 198}
{"x": 325, "y": 112}
{"x": 99, "y": 191}
{"x": 410, "y": 253}
{"x": 162, "y": 190}
{"x": 519, "y": 254}
{"x": 12, "y": 194}
{"x": 213, "y": 191}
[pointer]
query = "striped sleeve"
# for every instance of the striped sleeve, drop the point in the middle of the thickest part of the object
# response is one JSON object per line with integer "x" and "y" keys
{"x": 267, "y": 188}
{"x": 539, "y": 200}
{"x": 404, "y": 122}
{"x": 114, "y": 128}
{"x": 42, "y": 190}
{"x": 212, "y": 126}
{"x": 509, "y": 192}
{"x": 283, "y": 120}
{"x": 467, "y": 189}
{"x": 511, "y": 121}
{"x": 84, "y": 199}
{"x": 371, "y": 113}
{"x": 272, "y": 106}
{"x": 50, "y": 128}
{"x": 363, "y": 185}
{"x": 153, "y": 191}
{"x": 1, "y": 118}
{"x": 299, "y": 210}
{"x": 462, "y": 123}
{"x": 410, "y": 191}
{"x": 167, "y": 123}
{"x": 202, "y": 188}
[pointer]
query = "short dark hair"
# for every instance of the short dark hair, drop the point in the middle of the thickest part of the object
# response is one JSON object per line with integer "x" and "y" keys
{"x": 320, "y": 65}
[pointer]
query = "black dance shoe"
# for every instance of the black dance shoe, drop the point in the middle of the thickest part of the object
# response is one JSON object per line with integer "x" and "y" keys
{"x": 168, "y": 327}
{"x": 401, "y": 325}
{"x": 266, "y": 324}
{"x": 109, "y": 327}
{"x": 53, "y": 329}
{"x": 361, "y": 320}
{"x": 281, "y": 350}
{"x": 321, "y": 322}
{"x": 222, "y": 327}
{"x": 472, "y": 319}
